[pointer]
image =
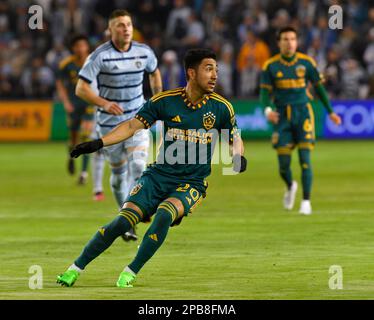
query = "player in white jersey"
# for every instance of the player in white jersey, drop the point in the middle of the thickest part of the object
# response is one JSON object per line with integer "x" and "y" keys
{"x": 118, "y": 66}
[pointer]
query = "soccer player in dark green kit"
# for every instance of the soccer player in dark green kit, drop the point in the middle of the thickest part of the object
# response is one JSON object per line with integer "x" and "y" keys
{"x": 193, "y": 118}
{"x": 285, "y": 77}
{"x": 80, "y": 113}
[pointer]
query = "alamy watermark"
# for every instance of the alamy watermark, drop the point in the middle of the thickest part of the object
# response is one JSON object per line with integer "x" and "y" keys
{"x": 36, "y": 18}
{"x": 336, "y": 278}
{"x": 36, "y": 280}
{"x": 335, "y": 17}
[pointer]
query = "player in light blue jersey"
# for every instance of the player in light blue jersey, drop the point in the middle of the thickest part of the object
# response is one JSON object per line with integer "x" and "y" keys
{"x": 118, "y": 66}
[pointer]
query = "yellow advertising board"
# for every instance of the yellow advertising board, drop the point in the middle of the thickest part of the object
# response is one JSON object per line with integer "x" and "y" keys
{"x": 25, "y": 120}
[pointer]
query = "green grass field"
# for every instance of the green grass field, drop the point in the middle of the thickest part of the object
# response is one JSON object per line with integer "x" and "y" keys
{"x": 239, "y": 243}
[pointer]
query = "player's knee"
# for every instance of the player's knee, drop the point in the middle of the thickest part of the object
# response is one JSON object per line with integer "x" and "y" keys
{"x": 177, "y": 204}
{"x": 304, "y": 158}
{"x": 117, "y": 176}
{"x": 171, "y": 208}
{"x": 134, "y": 208}
{"x": 305, "y": 165}
{"x": 136, "y": 168}
{"x": 137, "y": 163}
{"x": 284, "y": 166}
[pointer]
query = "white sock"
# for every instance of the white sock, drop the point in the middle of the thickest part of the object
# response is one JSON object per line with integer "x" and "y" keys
{"x": 98, "y": 164}
{"x": 127, "y": 269}
{"x": 74, "y": 267}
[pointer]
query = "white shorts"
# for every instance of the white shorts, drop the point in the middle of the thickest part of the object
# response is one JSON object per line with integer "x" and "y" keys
{"x": 117, "y": 153}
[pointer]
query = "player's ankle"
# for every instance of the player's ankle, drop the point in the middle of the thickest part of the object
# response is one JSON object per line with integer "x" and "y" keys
{"x": 76, "y": 268}
{"x": 127, "y": 269}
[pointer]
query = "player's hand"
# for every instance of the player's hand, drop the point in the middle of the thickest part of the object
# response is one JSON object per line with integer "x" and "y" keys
{"x": 68, "y": 107}
{"x": 113, "y": 108}
{"x": 335, "y": 118}
{"x": 86, "y": 147}
{"x": 273, "y": 117}
{"x": 240, "y": 163}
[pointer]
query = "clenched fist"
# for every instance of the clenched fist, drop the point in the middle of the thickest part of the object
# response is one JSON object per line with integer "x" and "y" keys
{"x": 86, "y": 147}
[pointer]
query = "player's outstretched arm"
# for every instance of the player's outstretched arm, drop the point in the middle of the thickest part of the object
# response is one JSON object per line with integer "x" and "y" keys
{"x": 122, "y": 132}
{"x": 84, "y": 91}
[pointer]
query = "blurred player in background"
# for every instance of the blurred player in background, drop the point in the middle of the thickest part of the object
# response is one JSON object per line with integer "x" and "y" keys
{"x": 98, "y": 165}
{"x": 168, "y": 189}
{"x": 285, "y": 76}
{"x": 118, "y": 66}
{"x": 80, "y": 113}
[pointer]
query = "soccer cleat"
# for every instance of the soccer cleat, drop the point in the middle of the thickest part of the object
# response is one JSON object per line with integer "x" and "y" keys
{"x": 83, "y": 178}
{"x": 71, "y": 166}
{"x": 99, "y": 196}
{"x": 125, "y": 280}
{"x": 68, "y": 278}
{"x": 289, "y": 196}
{"x": 305, "y": 207}
{"x": 130, "y": 235}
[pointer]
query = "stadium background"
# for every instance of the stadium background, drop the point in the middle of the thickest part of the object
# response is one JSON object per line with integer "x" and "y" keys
{"x": 241, "y": 32}
{"x": 46, "y": 219}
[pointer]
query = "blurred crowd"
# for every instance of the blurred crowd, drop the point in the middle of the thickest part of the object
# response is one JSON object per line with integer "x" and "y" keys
{"x": 242, "y": 32}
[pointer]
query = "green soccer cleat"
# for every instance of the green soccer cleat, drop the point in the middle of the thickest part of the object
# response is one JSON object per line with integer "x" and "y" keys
{"x": 125, "y": 280}
{"x": 68, "y": 278}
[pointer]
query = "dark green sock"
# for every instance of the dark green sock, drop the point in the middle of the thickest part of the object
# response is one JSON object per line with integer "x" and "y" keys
{"x": 85, "y": 161}
{"x": 306, "y": 172}
{"x": 106, "y": 235}
{"x": 155, "y": 235}
{"x": 284, "y": 161}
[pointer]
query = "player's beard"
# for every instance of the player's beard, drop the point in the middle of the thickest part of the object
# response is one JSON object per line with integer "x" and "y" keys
{"x": 204, "y": 89}
{"x": 121, "y": 42}
{"x": 209, "y": 90}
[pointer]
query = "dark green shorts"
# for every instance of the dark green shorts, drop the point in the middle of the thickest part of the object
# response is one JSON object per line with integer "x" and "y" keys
{"x": 153, "y": 188}
{"x": 79, "y": 114}
{"x": 295, "y": 128}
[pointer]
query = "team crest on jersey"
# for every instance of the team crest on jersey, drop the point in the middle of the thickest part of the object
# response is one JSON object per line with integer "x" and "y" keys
{"x": 136, "y": 189}
{"x": 208, "y": 120}
{"x": 300, "y": 71}
{"x": 138, "y": 64}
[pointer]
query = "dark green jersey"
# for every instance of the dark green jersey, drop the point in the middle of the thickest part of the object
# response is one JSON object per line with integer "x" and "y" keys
{"x": 288, "y": 80}
{"x": 189, "y": 131}
{"x": 68, "y": 73}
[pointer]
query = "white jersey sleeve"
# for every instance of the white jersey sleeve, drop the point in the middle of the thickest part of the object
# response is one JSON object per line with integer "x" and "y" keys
{"x": 151, "y": 62}
{"x": 93, "y": 64}
{"x": 90, "y": 69}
